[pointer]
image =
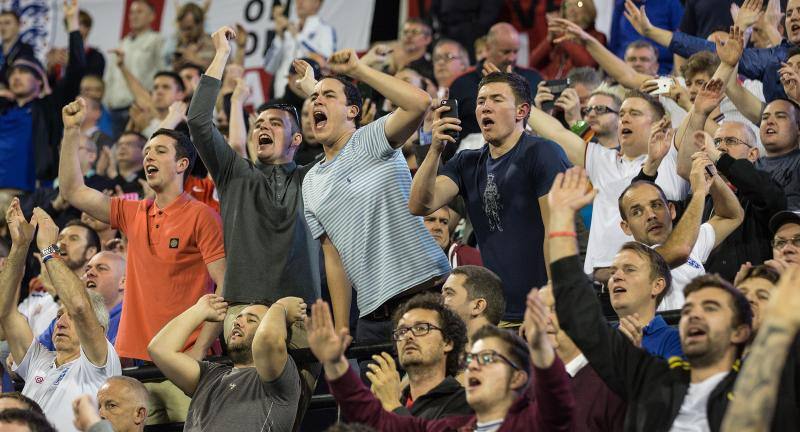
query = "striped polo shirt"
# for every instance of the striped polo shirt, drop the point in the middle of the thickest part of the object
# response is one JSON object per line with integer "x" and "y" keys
{"x": 360, "y": 200}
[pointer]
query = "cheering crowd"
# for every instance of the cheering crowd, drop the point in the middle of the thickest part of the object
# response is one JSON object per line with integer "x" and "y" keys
{"x": 606, "y": 240}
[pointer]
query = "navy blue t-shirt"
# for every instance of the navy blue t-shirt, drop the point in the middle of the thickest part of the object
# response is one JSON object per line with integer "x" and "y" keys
{"x": 501, "y": 196}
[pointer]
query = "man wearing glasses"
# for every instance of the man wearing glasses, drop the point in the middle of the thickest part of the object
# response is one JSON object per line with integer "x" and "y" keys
{"x": 504, "y": 375}
{"x": 733, "y": 151}
{"x": 786, "y": 241}
{"x": 611, "y": 169}
{"x": 430, "y": 340}
{"x": 262, "y": 205}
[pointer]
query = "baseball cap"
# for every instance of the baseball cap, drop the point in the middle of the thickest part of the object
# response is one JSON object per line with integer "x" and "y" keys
{"x": 782, "y": 218}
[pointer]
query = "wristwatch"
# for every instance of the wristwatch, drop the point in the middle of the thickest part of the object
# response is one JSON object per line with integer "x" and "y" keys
{"x": 50, "y": 252}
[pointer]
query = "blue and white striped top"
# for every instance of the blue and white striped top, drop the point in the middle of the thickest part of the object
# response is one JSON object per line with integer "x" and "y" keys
{"x": 360, "y": 200}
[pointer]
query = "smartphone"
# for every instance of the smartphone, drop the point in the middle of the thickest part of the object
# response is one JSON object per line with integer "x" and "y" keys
{"x": 664, "y": 86}
{"x": 709, "y": 171}
{"x": 556, "y": 87}
{"x": 453, "y": 112}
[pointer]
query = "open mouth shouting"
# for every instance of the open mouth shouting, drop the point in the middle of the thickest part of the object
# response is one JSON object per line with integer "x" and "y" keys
{"x": 694, "y": 333}
{"x": 150, "y": 170}
{"x": 265, "y": 139}
{"x": 320, "y": 119}
{"x": 625, "y": 132}
{"x": 473, "y": 383}
{"x": 90, "y": 284}
{"x": 487, "y": 123}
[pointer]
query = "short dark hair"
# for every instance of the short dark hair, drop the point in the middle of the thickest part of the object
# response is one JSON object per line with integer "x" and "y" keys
{"x": 11, "y": 13}
{"x": 655, "y": 105}
{"x": 452, "y": 327}
{"x": 794, "y": 105}
{"x": 92, "y": 238}
{"x": 658, "y": 267}
{"x": 742, "y": 314}
{"x": 31, "y": 404}
{"x": 481, "y": 282}
{"x": 517, "y": 347}
{"x": 189, "y": 65}
{"x": 641, "y": 43}
{"x": 138, "y": 135}
{"x": 183, "y": 147}
{"x": 351, "y": 94}
{"x": 519, "y": 87}
{"x": 294, "y": 116}
{"x": 761, "y": 272}
{"x": 34, "y": 421}
{"x": 84, "y": 18}
{"x": 174, "y": 75}
{"x": 192, "y": 9}
{"x": 422, "y": 22}
{"x": 702, "y": 61}
{"x": 634, "y": 185}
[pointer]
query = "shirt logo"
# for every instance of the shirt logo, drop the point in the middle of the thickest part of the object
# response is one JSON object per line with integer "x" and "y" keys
{"x": 232, "y": 386}
{"x": 173, "y": 243}
{"x": 694, "y": 263}
{"x": 39, "y": 379}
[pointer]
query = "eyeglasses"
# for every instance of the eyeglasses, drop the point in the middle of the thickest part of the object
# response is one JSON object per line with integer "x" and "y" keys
{"x": 284, "y": 107}
{"x": 729, "y": 142}
{"x": 445, "y": 58}
{"x": 419, "y": 329}
{"x": 599, "y": 109}
{"x": 414, "y": 32}
{"x": 486, "y": 357}
{"x": 780, "y": 243}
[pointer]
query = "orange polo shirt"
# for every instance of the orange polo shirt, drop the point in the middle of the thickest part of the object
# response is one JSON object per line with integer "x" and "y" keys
{"x": 168, "y": 250}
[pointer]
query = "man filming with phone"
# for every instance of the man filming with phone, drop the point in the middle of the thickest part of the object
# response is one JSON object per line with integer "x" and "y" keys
{"x": 497, "y": 182}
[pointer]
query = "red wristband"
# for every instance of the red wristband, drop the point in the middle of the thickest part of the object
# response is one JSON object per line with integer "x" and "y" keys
{"x": 562, "y": 234}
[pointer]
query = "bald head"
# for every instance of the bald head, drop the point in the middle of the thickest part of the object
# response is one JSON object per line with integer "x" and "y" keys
{"x": 502, "y": 45}
{"x": 123, "y": 402}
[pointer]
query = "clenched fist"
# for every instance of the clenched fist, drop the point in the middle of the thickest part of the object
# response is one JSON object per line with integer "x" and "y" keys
{"x": 74, "y": 113}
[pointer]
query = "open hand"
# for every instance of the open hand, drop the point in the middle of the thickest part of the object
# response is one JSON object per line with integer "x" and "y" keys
{"x": 327, "y": 345}
{"x": 385, "y": 381}
{"x": 295, "y": 308}
{"x": 20, "y": 230}
{"x": 638, "y": 18}
{"x": 571, "y": 190}
{"x": 632, "y": 328}
{"x": 47, "y": 233}
{"x": 212, "y": 307}
{"x": 730, "y": 51}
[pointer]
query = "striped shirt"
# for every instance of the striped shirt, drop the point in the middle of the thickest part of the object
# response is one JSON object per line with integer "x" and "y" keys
{"x": 360, "y": 200}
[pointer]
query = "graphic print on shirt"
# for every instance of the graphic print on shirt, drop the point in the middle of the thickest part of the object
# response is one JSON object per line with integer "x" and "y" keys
{"x": 492, "y": 204}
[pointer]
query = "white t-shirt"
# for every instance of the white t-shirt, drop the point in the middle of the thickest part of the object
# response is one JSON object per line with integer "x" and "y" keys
{"x": 40, "y": 309}
{"x": 692, "y": 416}
{"x": 693, "y": 267}
{"x": 610, "y": 174}
{"x": 54, "y": 388}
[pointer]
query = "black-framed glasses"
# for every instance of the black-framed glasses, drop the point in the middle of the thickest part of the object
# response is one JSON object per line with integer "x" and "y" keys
{"x": 285, "y": 107}
{"x": 780, "y": 243}
{"x": 486, "y": 357}
{"x": 599, "y": 109}
{"x": 729, "y": 142}
{"x": 446, "y": 58}
{"x": 419, "y": 329}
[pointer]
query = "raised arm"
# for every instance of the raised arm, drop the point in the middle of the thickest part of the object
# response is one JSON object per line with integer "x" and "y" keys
{"x": 71, "y": 184}
{"x": 429, "y": 191}
{"x": 270, "y": 341}
{"x": 704, "y": 103}
{"x": 412, "y": 103}
{"x": 237, "y": 131}
{"x": 611, "y": 355}
{"x": 217, "y": 155}
{"x": 211, "y": 330}
{"x": 15, "y": 326}
{"x": 141, "y": 96}
{"x": 358, "y": 404}
{"x": 641, "y": 23}
{"x": 678, "y": 246}
{"x": 607, "y": 60}
{"x": 165, "y": 348}
{"x": 758, "y": 382}
{"x": 548, "y": 127}
{"x": 72, "y": 293}
{"x": 728, "y": 213}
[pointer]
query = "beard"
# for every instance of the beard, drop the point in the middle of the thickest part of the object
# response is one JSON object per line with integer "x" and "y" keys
{"x": 241, "y": 352}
